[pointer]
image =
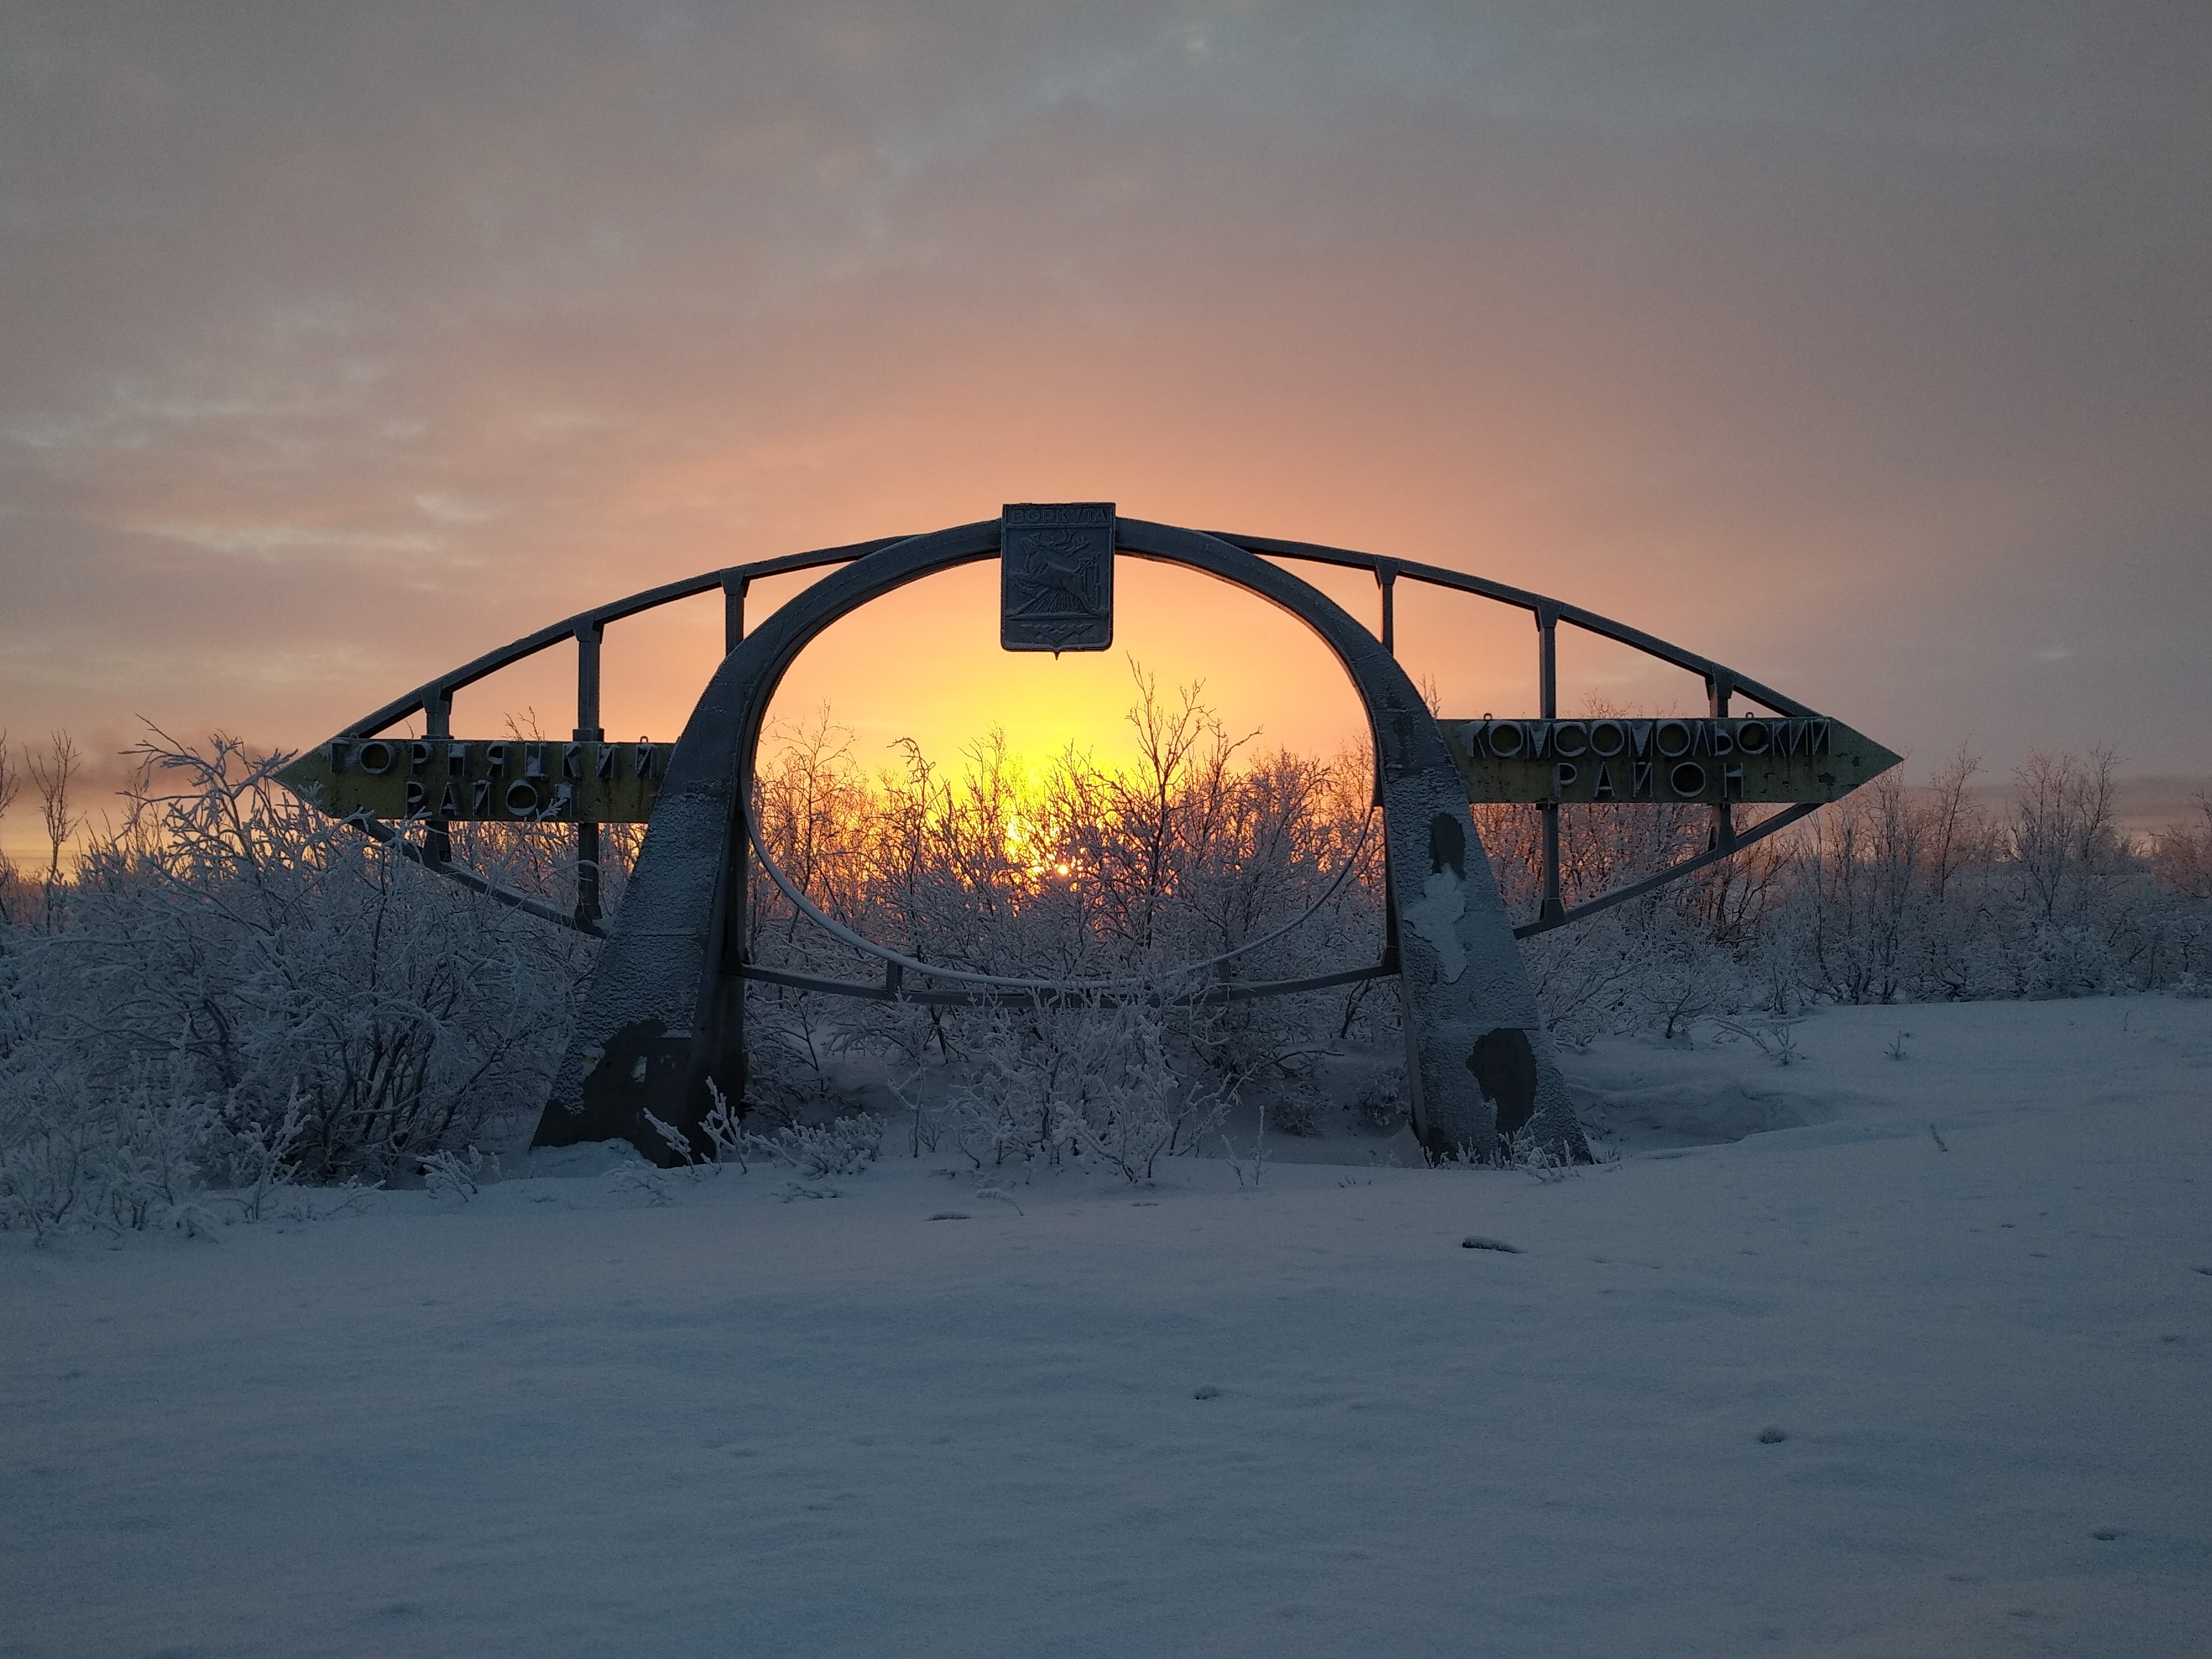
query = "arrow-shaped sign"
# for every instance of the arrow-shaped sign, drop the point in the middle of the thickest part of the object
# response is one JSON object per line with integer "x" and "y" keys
{"x": 1673, "y": 759}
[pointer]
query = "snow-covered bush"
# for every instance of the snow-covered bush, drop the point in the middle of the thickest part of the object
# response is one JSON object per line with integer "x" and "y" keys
{"x": 230, "y": 990}
{"x": 1893, "y": 895}
{"x": 1157, "y": 882}
{"x": 1300, "y": 1110}
{"x": 845, "y": 1145}
{"x": 1079, "y": 1078}
{"x": 1378, "y": 1103}
{"x": 121, "y": 1158}
{"x": 231, "y": 972}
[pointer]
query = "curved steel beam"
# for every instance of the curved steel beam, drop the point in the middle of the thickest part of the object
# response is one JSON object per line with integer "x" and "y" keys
{"x": 529, "y": 644}
{"x": 1437, "y": 575}
{"x": 1218, "y": 991}
{"x": 1540, "y": 604}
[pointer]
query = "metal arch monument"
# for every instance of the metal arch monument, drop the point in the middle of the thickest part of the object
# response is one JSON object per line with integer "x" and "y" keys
{"x": 664, "y": 1010}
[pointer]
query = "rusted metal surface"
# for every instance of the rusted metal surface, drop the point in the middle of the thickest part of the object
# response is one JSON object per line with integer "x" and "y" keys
{"x": 1684, "y": 760}
{"x": 500, "y": 781}
{"x": 1057, "y": 576}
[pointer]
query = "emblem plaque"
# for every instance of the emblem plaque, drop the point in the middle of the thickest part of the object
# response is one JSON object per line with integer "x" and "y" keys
{"x": 1057, "y": 576}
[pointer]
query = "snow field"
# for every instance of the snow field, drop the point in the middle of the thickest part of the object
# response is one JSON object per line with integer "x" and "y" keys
{"x": 563, "y": 1419}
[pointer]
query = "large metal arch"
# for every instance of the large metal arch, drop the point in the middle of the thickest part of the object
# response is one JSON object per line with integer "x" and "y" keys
{"x": 663, "y": 1016}
{"x": 434, "y": 699}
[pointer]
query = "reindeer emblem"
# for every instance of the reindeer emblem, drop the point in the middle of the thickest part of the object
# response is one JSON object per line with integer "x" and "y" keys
{"x": 1056, "y": 585}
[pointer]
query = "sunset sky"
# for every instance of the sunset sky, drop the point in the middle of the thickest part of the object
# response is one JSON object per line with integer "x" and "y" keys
{"x": 1865, "y": 346}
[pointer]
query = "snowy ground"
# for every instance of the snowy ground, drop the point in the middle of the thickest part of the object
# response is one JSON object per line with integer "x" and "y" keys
{"x": 1194, "y": 1419}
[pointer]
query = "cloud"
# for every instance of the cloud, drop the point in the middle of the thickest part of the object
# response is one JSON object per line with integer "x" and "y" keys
{"x": 1825, "y": 340}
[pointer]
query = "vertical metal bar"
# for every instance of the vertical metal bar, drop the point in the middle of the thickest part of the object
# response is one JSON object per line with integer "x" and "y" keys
{"x": 1547, "y": 700}
{"x": 1547, "y": 663}
{"x": 1386, "y": 579}
{"x": 1717, "y": 692}
{"x": 732, "y": 900}
{"x": 587, "y": 730}
{"x": 733, "y": 612}
{"x": 737, "y": 906}
{"x": 587, "y": 681}
{"x": 437, "y": 731}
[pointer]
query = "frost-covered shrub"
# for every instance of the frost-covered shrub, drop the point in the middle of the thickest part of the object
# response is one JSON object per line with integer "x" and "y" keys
{"x": 1155, "y": 882}
{"x": 230, "y": 990}
{"x": 119, "y": 1159}
{"x": 1299, "y": 1110}
{"x": 284, "y": 980}
{"x": 845, "y": 1145}
{"x": 1083, "y": 1079}
{"x": 461, "y": 1174}
{"x": 1892, "y": 894}
{"x": 1378, "y": 1105}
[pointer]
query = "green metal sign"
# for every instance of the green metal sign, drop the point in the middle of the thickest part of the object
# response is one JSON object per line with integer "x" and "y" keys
{"x": 503, "y": 781}
{"x": 1534, "y": 761}
{"x": 1675, "y": 759}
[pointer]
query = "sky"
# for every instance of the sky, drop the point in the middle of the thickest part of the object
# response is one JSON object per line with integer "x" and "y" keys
{"x": 1861, "y": 346}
